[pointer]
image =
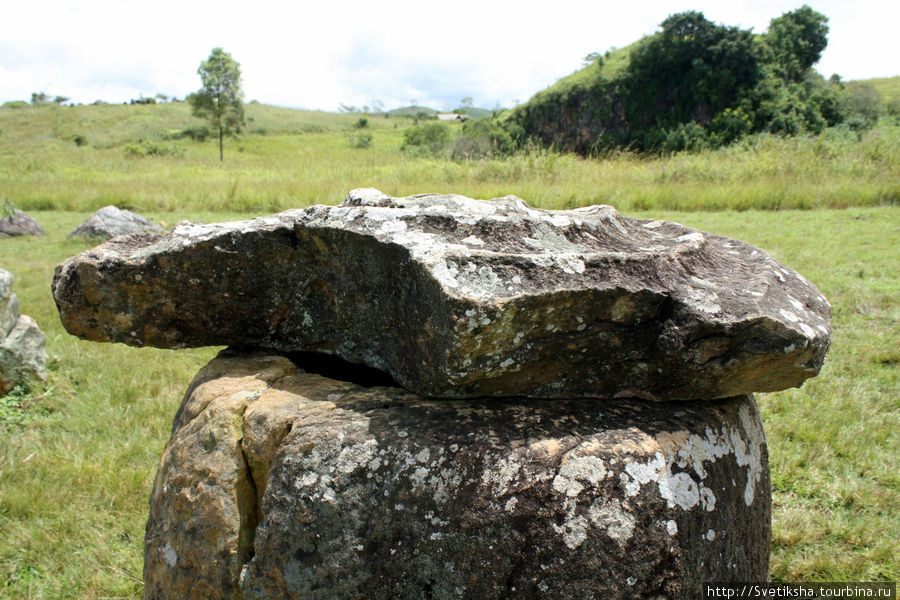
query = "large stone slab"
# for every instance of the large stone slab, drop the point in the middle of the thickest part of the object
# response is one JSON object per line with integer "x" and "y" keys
{"x": 22, "y": 353}
{"x": 111, "y": 221}
{"x": 282, "y": 484}
{"x": 457, "y": 297}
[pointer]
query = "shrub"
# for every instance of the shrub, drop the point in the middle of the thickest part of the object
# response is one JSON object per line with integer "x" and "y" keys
{"x": 730, "y": 125}
{"x": 7, "y": 209}
{"x": 80, "y": 140}
{"x": 687, "y": 136}
{"x": 431, "y": 137}
{"x": 198, "y": 134}
{"x": 148, "y": 148}
{"x": 362, "y": 123}
{"x": 468, "y": 147}
{"x": 362, "y": 140}
{"x": 482, "y": 138}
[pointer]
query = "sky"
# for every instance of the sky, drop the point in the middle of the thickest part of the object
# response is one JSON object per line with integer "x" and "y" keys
{"x": 319, "y": 55}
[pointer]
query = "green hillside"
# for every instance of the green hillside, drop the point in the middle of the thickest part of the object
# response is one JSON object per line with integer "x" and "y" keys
{"x": 888, "y": 88}
{"x": 693, "y": 85}
{"x": 111, "y": 125}
{"x": 874, "y": 97}
{"x": 413, "y": 111}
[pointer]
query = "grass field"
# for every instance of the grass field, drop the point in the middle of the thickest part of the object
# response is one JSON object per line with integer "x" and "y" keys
{"x": 307, "y": 158}
{"x": 80, "y": 452}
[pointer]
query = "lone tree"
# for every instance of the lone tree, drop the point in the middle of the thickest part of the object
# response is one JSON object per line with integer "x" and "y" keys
{"x": 220, "y": 100}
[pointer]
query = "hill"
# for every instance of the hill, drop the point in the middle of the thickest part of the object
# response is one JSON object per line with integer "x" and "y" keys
{"x": 413, "y": 111}
{"x": 112, "y": 125}
{"x": 888, "y": 88}
{"x": 692, "y": 85}
{"x": 418, "y": 111}
{"x": 876, "y": 97}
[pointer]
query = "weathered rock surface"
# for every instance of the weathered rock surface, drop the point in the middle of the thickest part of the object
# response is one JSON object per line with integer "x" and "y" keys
{"x": 282, "y": 484}
{"x": 22, "y": 354}
{"x": 110, "y": 221}
{"x": 464, "y": 298}
{"x": 20, "y": 223}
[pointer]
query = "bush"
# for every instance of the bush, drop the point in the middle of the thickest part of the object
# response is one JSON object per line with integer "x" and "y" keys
{"x": 468, "y": 147}
{"x": 147, "y": 148}
{"x": 431, "y": 137}
{"x": 362, "y": 140}
{"x": 7, "y": 209}
{"x": 687, "y": 136}
{"x": 80, "y": 140}
{"x": 482, "y": 138}
{"x": 362, "y": 123}
{"x": 731, "y": 125}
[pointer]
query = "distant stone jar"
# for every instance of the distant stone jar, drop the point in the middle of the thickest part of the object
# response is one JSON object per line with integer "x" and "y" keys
{"x": 20, "y": 223}
{"x": 110, "y": 221}
{"x": 22, "y": 354}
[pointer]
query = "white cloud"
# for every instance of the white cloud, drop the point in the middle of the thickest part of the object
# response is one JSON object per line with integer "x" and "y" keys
{"x": 322, "y": 54}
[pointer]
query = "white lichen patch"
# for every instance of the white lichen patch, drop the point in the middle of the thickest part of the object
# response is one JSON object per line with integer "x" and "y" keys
{"x": 611, "y": 517}
{"x": 575, "y": 474}
{"x": 671, "y": 527}
{"x": 691, "y": 238}
{"x": 616, "y": 519}
{"x": 703, "y": 299}
{"x": 392, "y": 226}
{"x": 170, "y": 557}
{"x": 688, "y": 489}
{"x": 445, "y": 272}
{"x": 356, "y": 456}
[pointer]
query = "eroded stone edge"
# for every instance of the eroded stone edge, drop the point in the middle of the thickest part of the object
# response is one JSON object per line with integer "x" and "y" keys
{"x": 218, "y": 463}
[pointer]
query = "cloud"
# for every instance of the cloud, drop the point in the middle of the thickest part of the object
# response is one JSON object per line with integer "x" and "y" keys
{"x": 317, "y": 55}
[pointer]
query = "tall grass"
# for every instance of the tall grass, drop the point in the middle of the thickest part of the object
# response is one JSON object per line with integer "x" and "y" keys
{"x": 42, "y": 168}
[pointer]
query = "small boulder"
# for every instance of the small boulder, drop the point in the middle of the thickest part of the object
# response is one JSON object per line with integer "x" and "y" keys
{"x": 111, "y": 221}
{"x": 20, "y": 223}
{"x": 457, "y": 297}
{"x": 22, "y": 353}
{"x": 278, "y": 483}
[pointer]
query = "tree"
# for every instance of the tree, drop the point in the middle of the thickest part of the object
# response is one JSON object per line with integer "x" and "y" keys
{"x": 797, "y": 38}
{"x": 220, "y": 100}
{"x": 690, "y": 71}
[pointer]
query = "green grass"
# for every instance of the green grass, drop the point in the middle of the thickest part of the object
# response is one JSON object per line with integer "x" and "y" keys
{"x": 80, "y": 452}
{"x": 306, "y": 158}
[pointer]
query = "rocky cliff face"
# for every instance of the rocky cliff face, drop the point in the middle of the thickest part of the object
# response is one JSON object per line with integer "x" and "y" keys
{"x": 279, "y": 483}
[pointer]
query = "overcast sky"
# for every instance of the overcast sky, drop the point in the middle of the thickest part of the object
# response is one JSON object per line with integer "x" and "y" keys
{"x": 320, "y": 54}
